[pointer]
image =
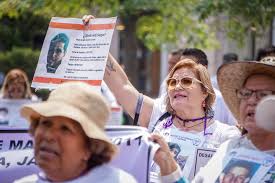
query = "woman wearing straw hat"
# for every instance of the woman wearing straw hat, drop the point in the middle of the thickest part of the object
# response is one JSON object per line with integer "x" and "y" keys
{"x": 243, "y": 85}
{"x": 69, "y": 140}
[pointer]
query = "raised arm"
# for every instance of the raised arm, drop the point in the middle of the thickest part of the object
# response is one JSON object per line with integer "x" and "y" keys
{"x": 125, "y": 93}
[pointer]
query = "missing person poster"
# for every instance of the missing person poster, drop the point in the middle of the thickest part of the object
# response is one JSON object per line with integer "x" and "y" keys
{"x": 73, "y": 51}
{"x": 116, "y": 116}
{"x": 10, "y": 114}
{"x": 270, "y": 176}
{"x": 246, "y": 166}
{"x": 202, "y": 158}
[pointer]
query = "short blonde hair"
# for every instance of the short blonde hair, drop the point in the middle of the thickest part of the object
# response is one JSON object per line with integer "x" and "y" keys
{"x": 201, "y": 72}
{"x": 13, "y": 75}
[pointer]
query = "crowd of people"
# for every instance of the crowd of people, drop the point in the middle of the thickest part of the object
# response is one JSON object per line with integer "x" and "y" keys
{"x": 70, "y": 144}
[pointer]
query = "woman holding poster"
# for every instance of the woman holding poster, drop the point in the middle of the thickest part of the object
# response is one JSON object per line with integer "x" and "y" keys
{"x": 187, "y": 114}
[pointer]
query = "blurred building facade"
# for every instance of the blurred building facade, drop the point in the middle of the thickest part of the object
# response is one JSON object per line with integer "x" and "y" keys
{"x": 146, "y": 69}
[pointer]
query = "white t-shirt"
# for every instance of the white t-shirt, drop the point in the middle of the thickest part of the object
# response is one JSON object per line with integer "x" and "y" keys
{"x": 222, "y": 113}
{"x": 214, "y": 81}
{"x": 219, "y": 132}
{"x": 103, "y": 174}
{"x": 217, "y": 162}
{"x": 159, "y": 109}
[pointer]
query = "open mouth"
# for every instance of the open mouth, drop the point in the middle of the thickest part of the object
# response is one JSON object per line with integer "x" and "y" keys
{"x": 251, "y": 113}
{"x": 179, "y": 96}
{"x": 47, "y": 150}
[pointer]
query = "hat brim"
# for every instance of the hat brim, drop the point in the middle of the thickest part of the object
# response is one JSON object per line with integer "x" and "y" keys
{"x": 232, "y": 77}
{"x": 33, "y": 112}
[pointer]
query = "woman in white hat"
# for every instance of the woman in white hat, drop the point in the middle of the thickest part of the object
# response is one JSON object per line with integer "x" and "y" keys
{"x": 243, "y": 85}
{"x": 69, "y": 140}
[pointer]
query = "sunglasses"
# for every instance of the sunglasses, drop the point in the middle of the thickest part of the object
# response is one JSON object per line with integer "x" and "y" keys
{"x": 185, "y": 82}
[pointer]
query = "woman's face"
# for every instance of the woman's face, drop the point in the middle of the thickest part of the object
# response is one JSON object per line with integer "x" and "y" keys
{"x": 60, "y": 149}
{"x": 16, "y": 89}
{"x": 248, "y": 106}
{"x": 191, "y": 97}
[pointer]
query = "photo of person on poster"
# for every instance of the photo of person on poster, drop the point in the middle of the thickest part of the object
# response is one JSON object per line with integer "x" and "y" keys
{"x": 4, "y": 119}
{"x": 238, "y": 171}
{"x": 175, "y": 149}
{"x": 181, "y": 160}
{"x": 57, "y": 50}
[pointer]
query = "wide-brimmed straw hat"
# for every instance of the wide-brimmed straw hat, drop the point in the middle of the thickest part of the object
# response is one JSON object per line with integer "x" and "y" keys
{"x": 77, "y": 101}
{"x": 232, "y": 76}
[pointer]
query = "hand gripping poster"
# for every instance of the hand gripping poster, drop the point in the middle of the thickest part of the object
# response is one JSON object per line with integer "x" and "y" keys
{"x": 183, "y": 146}
{"x": 73, "y": 51}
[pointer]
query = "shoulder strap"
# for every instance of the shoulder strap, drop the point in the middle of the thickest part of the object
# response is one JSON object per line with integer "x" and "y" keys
{"x": 165, "y": 115}
{"x": 162, "y": 117}
{"x": 138, "y": 108}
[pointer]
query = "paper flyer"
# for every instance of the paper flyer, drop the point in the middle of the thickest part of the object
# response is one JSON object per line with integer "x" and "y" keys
{"x": 270, "y": 176}
{"x": 183, "y": 145}
{"x": 202, "y": 158}
{"x": 74, "y": 51}
{"x": 10, "y": 114}
{"x": 116, "y": 116}
{"x": 246, "y": 166}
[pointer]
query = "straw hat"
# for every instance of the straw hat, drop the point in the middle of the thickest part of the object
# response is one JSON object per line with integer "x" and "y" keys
{"x": 77, "y": 101}
{"x": 232, "y": 76}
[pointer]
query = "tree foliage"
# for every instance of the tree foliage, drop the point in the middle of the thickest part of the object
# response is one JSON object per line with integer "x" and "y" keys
{"x": 158, "y": 21}
{"x": 24, "y": 30}
{"x": 23, "y": 58}
{"x": 240, "y": 17}
{"x": 174, "y": 22}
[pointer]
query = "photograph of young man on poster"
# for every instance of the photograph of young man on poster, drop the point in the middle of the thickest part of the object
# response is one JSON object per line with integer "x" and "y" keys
{"x": 238, "y": 171}
{"x": 57, "y": 51}
{"x": 4, "y": 118}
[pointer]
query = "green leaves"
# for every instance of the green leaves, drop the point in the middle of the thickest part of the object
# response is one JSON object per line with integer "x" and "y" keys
{"x": 158, "y": 21}
{"x": 181, "y": 22}
{"x": 240, "y": 17}
{"x": 174, "y": 22}
{"x": 24, "y": 58}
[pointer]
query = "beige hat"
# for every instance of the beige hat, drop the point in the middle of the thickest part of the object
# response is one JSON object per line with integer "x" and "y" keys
{"x": 232, "y": 76}
{"x": 77, "y": 101}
